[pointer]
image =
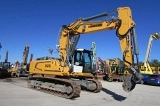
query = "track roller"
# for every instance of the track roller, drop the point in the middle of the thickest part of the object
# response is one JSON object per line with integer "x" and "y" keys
{"x": 60, "y": 87}
{"x": 92, "y": 85}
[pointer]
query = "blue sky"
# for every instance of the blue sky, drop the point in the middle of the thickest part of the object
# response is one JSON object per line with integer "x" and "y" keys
{"x": 37, "y": 22}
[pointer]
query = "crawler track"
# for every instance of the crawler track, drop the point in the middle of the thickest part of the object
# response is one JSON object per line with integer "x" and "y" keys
{"x": 60, "y": 87}
{"x": 98, "y": 85}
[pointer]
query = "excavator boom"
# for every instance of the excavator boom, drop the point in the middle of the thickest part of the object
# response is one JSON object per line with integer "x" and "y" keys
{"x": 25, "y": 54}
{"x": 6, "y": 58}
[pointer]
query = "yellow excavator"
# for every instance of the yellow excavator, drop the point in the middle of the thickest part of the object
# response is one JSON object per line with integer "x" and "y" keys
{"x": 146, "y": 68}
{"x": 114, "y": 69}
{"x": 111, "y": 69}
{"x": 66, "y": 75}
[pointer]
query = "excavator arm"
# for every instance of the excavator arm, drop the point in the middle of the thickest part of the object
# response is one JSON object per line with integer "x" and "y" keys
{"x": 124, "y": 26}
{"x": 25, "y": 54}
{"x": 6, "y": 58}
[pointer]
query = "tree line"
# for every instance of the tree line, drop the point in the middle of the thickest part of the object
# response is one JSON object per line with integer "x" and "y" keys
{"x": 153, "y": 63}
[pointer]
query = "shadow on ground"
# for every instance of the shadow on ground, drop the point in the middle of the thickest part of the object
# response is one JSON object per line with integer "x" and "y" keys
{"x": 114, "y": 95}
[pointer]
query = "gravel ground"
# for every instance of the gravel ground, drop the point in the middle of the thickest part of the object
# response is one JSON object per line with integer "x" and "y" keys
{"x": 16, "y": 93}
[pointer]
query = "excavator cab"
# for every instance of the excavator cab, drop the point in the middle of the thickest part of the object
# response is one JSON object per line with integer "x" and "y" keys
{"x": 82, "y": 60}
{"x": 4, "y": 67}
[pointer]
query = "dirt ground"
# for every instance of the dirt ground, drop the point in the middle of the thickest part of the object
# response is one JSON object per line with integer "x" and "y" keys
{"x": 14, "y": 92}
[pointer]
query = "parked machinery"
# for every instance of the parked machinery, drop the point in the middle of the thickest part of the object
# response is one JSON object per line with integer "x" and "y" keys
{"x": 115, "y": 69}
{"x": 21, "y": 69}
{"x": 63, "y": 76}
{"x": 111, "y": 69}
{"x": 146, "y": 68}
{"x": 4, "y": 67}
{"x": 101, "y": 66}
